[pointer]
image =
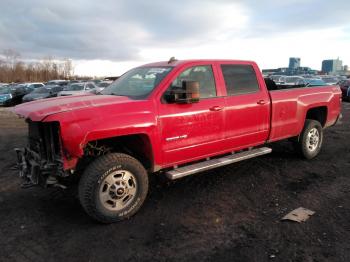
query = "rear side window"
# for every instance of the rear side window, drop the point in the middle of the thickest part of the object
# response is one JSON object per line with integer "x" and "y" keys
{"x": 239, "y": 79}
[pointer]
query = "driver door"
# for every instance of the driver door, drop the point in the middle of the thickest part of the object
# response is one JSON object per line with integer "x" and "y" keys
{"x": 192, "y": 131}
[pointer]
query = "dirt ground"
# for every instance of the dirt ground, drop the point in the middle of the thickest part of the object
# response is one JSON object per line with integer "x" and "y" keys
{"x": 229, "y": 214}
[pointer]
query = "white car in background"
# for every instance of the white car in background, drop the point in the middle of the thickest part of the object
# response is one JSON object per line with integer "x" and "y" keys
{"x": 31, "y": 86}
{"x": 34, "y": 84}
{"x": 78, "y": 89}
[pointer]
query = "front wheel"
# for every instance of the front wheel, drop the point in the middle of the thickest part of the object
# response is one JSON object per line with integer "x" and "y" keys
{"x": 310, "y": 140}
{"x": 113, "y": 187}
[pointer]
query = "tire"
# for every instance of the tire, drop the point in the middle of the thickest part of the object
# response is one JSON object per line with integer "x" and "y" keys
{"x": 310, "y": 140}
{"x": 113, "y": 187}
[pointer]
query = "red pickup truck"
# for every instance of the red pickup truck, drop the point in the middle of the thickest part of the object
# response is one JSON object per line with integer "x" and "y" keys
{"x": 173, "y": 118}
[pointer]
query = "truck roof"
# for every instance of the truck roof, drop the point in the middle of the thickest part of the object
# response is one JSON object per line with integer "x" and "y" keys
{"x": 181, "y": 62}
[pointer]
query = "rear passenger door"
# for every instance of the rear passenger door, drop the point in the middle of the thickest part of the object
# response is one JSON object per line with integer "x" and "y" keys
{"x": 247, "y": 106}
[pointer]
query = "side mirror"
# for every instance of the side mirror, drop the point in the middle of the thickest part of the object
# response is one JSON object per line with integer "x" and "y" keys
{"x": 187, "y": 94}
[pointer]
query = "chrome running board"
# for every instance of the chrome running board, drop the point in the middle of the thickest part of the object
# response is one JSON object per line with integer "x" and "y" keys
{"x": 217, "y": 162}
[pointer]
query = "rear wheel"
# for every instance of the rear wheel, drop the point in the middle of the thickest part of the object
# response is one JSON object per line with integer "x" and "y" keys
{"x": 113, "y": 187}
{"x": 310, "y": 140}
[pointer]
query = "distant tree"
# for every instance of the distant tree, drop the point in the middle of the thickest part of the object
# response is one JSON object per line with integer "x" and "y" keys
{"x": 19, "y": 72}
{"x": 11, "y": 57}
{"x": 14, "y": 70}
{"x": 68, "y": 70}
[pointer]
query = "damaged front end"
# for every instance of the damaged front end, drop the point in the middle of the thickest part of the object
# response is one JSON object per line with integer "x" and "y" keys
{"x": 41, "y": 162}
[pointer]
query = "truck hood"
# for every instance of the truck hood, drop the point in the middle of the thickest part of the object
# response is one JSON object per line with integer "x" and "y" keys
{"x": 38, "y": 110}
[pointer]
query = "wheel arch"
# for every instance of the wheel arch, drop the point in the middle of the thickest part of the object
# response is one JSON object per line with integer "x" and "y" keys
{"x": 318, "y": 113}
{"x": 138, "y": 146}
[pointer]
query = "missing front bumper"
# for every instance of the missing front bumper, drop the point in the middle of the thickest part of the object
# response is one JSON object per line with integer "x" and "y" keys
{"x": 29, "y": 169}
{"x": 33, "y": 170}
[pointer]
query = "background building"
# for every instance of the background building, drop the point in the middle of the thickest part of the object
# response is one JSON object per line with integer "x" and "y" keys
{"x": 294, "y": 62}
{"x": 294, "y": 68}
{"x": 332, "y": 66}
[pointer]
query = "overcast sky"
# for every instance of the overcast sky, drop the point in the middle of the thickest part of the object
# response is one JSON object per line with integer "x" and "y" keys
{"x": 108, "y": 37}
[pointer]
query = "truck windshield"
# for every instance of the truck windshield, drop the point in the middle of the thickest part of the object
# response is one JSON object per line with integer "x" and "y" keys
{"x": 137, "y": 83}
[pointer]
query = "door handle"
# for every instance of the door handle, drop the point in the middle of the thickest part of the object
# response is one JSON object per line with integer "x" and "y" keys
{"x": 261, "y": 102}
{"x": 216, "y": 108}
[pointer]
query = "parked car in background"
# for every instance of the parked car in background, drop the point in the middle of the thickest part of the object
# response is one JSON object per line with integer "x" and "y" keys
{"x": 330, "y": 80}
{"x": 291, "y": 81}
{"x": 3, "y": 86}
{"x": 77, "y": 88}
{"x": 12, "y": 94}
{"x": 29, "y": 87}
{"x": 104, "y": 84}
{"x": 345, "y": 89}
{"x": 74, "y": 81}
{"x": 294, "y": 80}
{"x": 315, "y": 82}
{"x": 101, "y": 86}
{"x": 34, "y": 85}
{"x": 96, "y": 81}
{"x": 5, "y": 96}
{"x": 308, "y": 76}
{"x": 58, "y": 82}
{"x": 111, "y": 78}
{"x": 42, "y": 92}
{"x": 277, "y": 78}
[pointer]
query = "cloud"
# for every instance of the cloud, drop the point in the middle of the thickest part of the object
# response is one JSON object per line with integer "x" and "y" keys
{"x": 141, "y": 30}
{"x": 115, "y": 30}
{"x": 283, "y": 17}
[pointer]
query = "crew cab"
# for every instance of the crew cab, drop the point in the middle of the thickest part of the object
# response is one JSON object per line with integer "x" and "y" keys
{"x": 174, "y": 118}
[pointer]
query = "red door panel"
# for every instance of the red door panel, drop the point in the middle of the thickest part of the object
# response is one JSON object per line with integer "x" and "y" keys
{"x": 191, "y": 131}
{"x": 247, "y": 120}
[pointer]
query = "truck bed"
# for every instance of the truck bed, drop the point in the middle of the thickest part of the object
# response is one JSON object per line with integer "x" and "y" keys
{"x": 288, "y": 106}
